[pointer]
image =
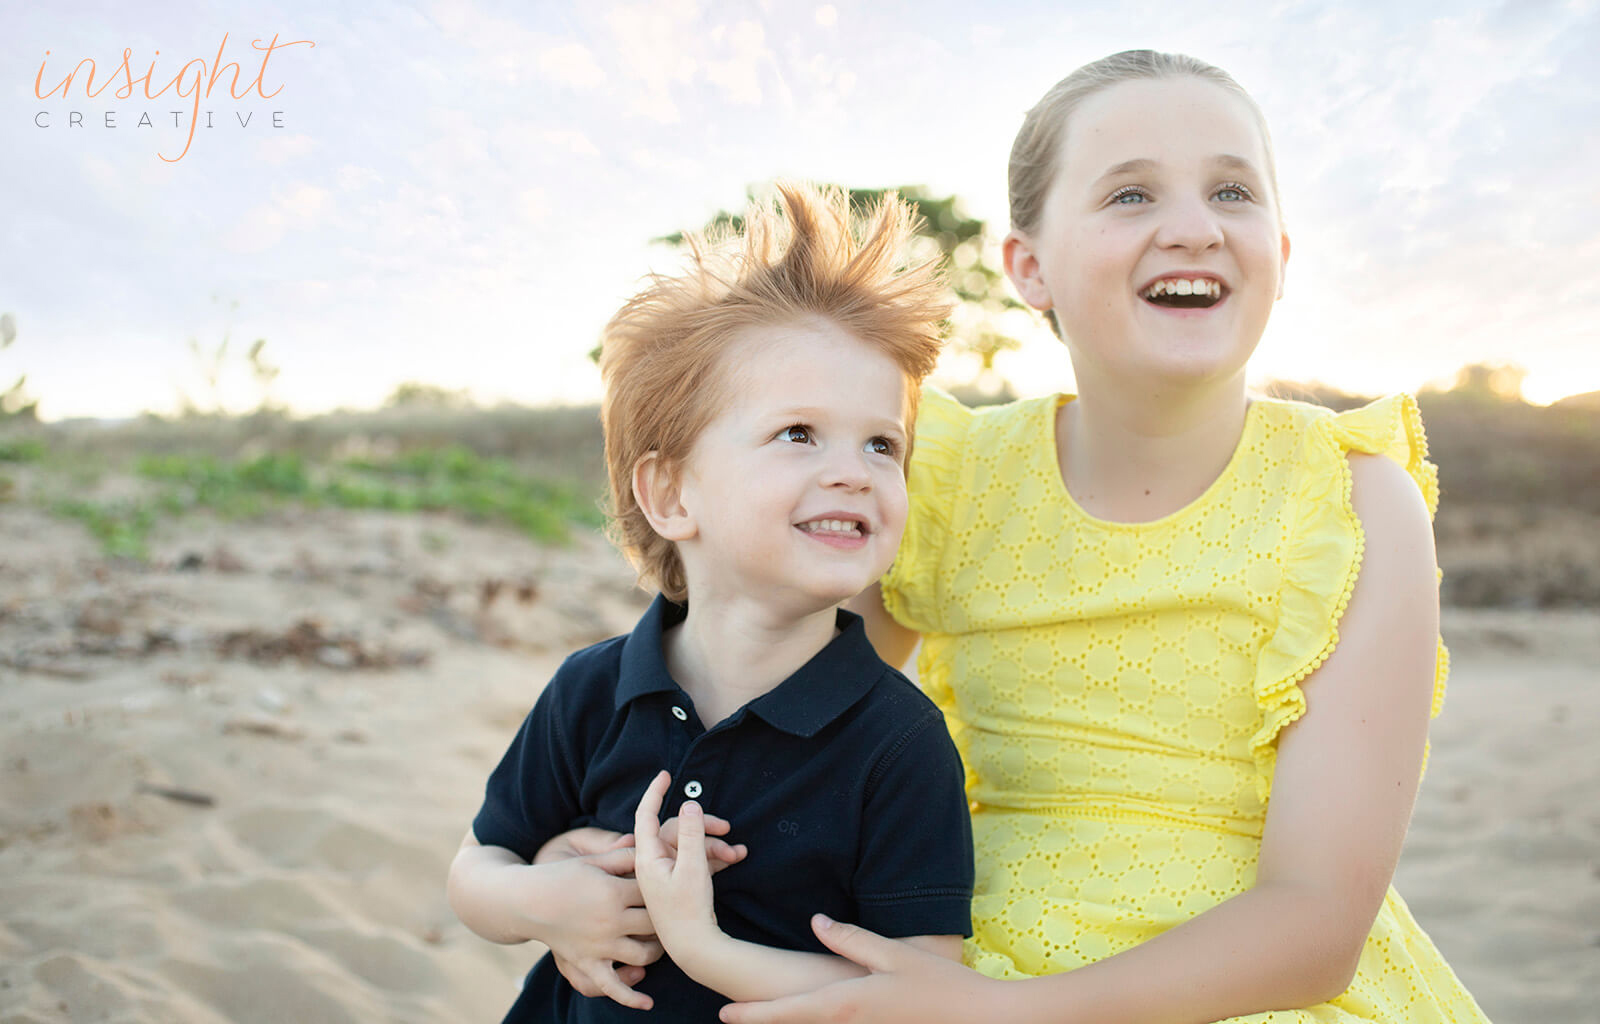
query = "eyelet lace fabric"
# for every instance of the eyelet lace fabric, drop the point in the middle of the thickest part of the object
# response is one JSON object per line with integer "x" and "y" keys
{"x": 1117, "y": 689}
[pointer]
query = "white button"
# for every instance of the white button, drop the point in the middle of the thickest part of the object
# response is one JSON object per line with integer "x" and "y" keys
{"x": 692, "y": 789}
{"x": 680, "y": 714}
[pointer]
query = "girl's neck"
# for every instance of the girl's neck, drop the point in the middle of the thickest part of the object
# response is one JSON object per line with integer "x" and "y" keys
{"x": 725, "y": 656}
{"x": 1134, "y": 458}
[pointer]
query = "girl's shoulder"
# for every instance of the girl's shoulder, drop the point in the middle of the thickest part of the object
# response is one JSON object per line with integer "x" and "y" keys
{"x": 1319, "y": 439}
{"x": 944, "y": 422}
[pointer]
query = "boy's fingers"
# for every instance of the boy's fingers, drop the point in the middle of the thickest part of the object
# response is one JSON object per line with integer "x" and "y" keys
{"x": 647, "y": 817}
{"x": 691, "y": 834}
{"x": 630, "y": 975}
{"x": 617, "y": 862}
{"x": 724, "y": 853}
{"x": 714, "y": 826}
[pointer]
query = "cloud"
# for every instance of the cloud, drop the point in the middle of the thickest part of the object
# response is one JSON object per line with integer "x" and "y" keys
{"x": 738, "y": 75}
{"x": 571, "y": 141}
{"x": 571, "y": 64}
{"x": 280, "y": 149}
{"x": 655, "y": 47}
{"x": 301, "y": 206}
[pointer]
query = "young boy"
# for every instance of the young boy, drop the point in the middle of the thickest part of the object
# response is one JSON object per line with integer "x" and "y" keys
{"x": 757, "y": 416}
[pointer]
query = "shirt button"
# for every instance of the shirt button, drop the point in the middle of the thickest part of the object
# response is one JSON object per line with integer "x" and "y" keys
{"x": 680, "y": 714}
{"x": 692, "y": 789}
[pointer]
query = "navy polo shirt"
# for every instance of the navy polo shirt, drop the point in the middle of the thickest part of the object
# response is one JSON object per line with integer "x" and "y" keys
{"x": 842, "y": 780}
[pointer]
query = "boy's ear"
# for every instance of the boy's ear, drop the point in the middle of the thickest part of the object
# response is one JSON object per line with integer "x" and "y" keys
{"x": 1022, "y": 266}
{"x": 657, "y": 488}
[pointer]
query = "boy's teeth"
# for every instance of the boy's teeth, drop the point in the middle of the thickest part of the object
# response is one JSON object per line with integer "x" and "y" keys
{"x": 831, "y": 526}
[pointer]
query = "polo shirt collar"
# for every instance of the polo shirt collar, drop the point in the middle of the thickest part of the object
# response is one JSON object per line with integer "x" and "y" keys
{"x": 804, "y": 704}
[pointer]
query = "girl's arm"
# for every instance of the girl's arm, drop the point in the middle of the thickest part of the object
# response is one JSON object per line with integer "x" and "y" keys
{"x": 893, "y": 642}
{"x": 1345, "y": 780}
{"x": 677, "y": 890}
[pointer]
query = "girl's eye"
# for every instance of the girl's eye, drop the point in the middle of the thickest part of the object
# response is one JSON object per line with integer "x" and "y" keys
{"x": 798, "y": 433}
{"x": 1233, "y": 192}
{"x": 1129, "y": 195}
{"x": 882, "y": 446}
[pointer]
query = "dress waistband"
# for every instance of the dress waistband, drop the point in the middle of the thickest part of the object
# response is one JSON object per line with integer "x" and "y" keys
{"x": 1122, "y": 812}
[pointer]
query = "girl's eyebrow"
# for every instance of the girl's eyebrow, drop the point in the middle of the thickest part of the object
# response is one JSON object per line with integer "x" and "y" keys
{"x": 1234, "y": 163}
{"x": 1128, "y": 167}
{"x": 1140, "y": 165}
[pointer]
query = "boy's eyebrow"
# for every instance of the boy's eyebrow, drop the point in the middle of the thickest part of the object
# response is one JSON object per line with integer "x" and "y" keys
{"x": 813, "y": 413}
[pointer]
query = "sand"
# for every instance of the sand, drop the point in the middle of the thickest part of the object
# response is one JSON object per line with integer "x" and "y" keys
{"x": 231, "y": 780}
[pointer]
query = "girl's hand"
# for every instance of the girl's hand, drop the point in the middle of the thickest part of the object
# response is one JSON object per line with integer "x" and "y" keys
{"x": 675, "y": 884}
{"x": 907, "y": 986}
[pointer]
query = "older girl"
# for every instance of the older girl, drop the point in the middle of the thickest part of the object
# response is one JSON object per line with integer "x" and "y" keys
{"x": 1186, "y": 639}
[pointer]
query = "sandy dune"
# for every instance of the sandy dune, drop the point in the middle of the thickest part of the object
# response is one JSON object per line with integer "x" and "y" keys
{"x": 230, "y": 782}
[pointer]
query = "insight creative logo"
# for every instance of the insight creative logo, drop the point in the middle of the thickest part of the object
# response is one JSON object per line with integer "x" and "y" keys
{"x": 194, "y": 81}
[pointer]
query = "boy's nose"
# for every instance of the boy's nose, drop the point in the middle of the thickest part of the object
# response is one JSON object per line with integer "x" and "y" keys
{"x": 1190, "y": 224}
{"x": 847, "y": 470}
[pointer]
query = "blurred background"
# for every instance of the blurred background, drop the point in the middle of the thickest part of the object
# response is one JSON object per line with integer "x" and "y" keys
{"x": 300, "y": 461}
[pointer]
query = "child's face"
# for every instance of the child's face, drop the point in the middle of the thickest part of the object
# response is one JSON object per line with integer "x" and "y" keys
{"x": 797, "y": 489}
{"x": 1162, "y": 188}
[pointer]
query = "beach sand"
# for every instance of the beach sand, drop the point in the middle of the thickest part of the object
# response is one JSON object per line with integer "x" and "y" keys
{"x": 231, "y": 780}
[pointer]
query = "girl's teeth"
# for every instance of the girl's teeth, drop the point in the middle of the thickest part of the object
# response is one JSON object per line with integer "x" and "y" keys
{"x": 1185, "y": 286}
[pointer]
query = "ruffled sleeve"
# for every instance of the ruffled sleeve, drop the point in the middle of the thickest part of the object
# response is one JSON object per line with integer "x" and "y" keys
{"x": 1322, "y": 558}
{"x": 911, "y": 588}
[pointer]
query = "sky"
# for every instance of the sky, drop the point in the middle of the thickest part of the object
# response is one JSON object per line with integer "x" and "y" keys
{"x": 461, "y": 192}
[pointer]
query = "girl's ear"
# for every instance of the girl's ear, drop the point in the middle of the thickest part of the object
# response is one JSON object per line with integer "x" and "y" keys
{"x": 657, "y": 488}
{"x": 1022, "y": 266}
{"x": 1283, "y": 265}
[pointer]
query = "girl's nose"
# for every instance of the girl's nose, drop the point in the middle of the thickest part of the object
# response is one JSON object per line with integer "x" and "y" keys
{"x": 1189, "y": 224}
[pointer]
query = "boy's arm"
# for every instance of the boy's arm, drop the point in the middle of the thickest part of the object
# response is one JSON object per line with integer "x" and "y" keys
{"x": 584, "y": 908}
{"x": 677, "y": 890}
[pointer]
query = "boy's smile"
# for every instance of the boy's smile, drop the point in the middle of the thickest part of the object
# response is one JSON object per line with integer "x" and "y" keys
{"x": 796, "y": 490}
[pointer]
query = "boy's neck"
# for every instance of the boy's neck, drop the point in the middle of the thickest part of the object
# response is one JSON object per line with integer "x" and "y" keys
{"x": 726, "y": 656}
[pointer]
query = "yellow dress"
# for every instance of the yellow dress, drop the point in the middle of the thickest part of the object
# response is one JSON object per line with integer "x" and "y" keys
{"x": 1116, "y": 690}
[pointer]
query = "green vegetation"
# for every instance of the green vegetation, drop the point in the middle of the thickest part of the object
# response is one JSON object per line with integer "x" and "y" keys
{"x": 450, "y": 479}
{"x": 21, "y": 449}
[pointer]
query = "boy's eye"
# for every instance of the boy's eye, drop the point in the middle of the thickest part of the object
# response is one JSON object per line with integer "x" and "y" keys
{"x": 1129, "y": 195}
{"x": 798, "y": 433}
{"x": 882, "y": 446}
{"x": 1233, "y": 192}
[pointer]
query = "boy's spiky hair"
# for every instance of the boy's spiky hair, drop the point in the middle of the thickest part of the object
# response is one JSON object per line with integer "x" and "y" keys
{"x": 666, "y": 356}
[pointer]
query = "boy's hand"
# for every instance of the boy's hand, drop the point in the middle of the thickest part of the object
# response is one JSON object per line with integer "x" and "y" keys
{"x": 676, "y": 884}
{"x": 595, "y": 920}
{"x": 583, "y": 842}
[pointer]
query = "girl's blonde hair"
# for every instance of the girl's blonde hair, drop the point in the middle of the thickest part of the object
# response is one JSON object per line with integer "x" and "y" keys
{"x": 666, "y": 356}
